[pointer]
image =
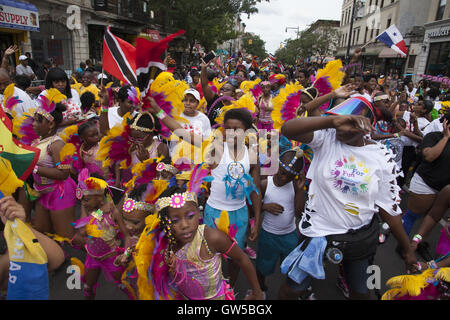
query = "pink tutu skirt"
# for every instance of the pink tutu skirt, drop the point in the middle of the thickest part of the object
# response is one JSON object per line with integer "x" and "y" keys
{"x": 61, "y": 197}
{"x": 107, "y": 266}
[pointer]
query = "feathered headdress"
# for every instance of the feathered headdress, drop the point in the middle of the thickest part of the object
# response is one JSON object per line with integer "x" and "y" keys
{"x": 245, "y": 102}
{"x": 114, "y": 147}
{"x": 328, "y": 79}
{"x": 278, "y": 78}
{"x": 143, "y": 172}
{"x": 254, "y": 87}
{"x": 168, "y": 94}
{"x": 217, "y": 85}
{"x": 89, "y": 185}
{"x": 223, "y": 224}
{"x": 198, "y": 177}
{"x": 67, "y": 155}
{"x": 10, "y": 100}
{"x": 47, "y": 102}
{"x": 134, "y": 95}
{"x": 417, "y": 287}
{"x": 286, "y": 104}
{"x": 70, "y": 136}
{"x": 23, "y": 128}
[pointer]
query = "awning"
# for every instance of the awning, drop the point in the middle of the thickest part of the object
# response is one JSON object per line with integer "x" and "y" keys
{"x": 389, "y": 53}
{"x": 18, "y": 15}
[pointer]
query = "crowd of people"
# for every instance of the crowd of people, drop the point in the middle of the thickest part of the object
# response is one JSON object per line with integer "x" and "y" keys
{"x": 173, "y": 182}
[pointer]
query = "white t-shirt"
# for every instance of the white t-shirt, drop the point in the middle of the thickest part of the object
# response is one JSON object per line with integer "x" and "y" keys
{"x": 73, "y": 105}
{"x": 198, "y": 124}
{"x": 26, "y": 104}
{"x": 114, "y": 118}
{"x": 364, "y": 95}
{"x": 422, "y": 122}
{"x": 435, "y": 125}
{"x": 21, "y": 70}
{"x": 348, "y": 185}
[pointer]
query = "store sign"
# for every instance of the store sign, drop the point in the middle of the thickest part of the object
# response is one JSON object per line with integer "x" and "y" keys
{"x": 17, "y": 18}
{"x": 439, "y": 33}
{"x": 152, "y": 34}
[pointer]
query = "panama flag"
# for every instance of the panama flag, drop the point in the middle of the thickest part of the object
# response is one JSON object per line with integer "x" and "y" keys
{"x": 394, "y": 39}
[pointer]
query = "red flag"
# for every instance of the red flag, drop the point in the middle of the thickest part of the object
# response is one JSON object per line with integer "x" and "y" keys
{"x": 119, "y": 58}
{"x": 148, "y": 59}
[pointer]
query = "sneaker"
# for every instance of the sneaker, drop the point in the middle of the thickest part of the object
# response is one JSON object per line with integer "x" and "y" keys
{"x": 250, "y": 253}
{"x": 341, "y": 284}
{"x": 309, "y": 295}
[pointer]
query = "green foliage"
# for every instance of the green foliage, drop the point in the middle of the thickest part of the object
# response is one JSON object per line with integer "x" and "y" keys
{"x": 318, "y": 43}
{"x": 253, "y": 44}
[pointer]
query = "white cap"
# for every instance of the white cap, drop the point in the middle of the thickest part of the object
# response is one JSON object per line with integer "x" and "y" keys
{"x": 102, "y": 75}
{"x": 194, "y": 92}
{"x": 23, "y": 57}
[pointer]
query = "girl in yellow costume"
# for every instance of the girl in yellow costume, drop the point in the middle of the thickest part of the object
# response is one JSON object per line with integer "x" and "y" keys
{"x": 179, "y": 259}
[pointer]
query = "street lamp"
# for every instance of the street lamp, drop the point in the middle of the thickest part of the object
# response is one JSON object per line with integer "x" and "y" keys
{"x": 297, "y": 28}
{"x": 347, "y": 55}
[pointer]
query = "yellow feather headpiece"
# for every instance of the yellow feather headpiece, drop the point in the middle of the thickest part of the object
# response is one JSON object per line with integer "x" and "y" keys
{"x": 333, "y": 72}
{"x": 279, "y": 103}
{"x": 8, "y": 179}
{"x": 245, "y": 102}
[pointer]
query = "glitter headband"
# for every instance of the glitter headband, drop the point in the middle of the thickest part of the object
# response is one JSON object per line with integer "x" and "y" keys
{"x": 289, "y": 167}
{"x": 309, "y": 94}
{"x": 142, "y": 129}
{"x": 45, "y": 114}
{"x": 167, "y": 167}
{"x": 130, "y": 204}
{"x": 177, "y": 200}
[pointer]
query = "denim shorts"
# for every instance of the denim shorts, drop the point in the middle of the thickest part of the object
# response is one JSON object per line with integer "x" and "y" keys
{"x": 355, "y": 273}
{"x": 272, "y": 247}
{"x": 238, "y": 217}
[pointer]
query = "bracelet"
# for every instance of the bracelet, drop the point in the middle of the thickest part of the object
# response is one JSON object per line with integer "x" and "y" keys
{"x": 417, "y": 238}
{"x": 161, "y": 114}
{"x": 103, "y": 109}
{"x": 128, "y": 252}
{"x": 35, "y": 170}
{"x": 432, "y": 264}
{"x": 396, "y": 135}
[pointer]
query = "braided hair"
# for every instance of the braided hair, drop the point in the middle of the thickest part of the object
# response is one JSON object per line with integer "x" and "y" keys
{"x": 165, "y": 222}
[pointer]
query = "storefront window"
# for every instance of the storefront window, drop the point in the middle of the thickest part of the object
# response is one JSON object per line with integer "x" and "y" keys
{"x": 439, "y": 59}
{"x": 54, "y": 43}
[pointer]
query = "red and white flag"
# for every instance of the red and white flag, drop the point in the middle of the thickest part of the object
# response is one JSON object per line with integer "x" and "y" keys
{"x": 148, "y": 59}
{"x": 119, "y": 58}
{"x": 272, "y": 57}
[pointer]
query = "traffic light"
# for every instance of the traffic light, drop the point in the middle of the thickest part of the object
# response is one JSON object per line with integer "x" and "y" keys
{"x": 250, "y": 41}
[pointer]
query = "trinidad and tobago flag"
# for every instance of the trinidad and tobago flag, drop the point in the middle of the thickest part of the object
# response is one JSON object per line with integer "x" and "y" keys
{"x": 394, "y": 39}
{"x": 148, "y": 59}
{"x": 119, "y": 58}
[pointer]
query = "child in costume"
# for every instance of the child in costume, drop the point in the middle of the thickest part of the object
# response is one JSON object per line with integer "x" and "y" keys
{"x": 133, "y": 142}
{"x": 100, "y": 230}
{"x": 179, "y": 259}
{"x": 85, "y": 137}
{"x": 283, "y": 202}
{"x": 55, "y": 208}
{"x": 265, "y": 106}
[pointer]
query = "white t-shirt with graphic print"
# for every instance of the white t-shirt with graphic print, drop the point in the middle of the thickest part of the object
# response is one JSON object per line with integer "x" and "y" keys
{"x": 348, "y": 185}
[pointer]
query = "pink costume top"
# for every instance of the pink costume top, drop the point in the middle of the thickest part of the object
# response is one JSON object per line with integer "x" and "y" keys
{"x": 43, "y": 184}
{"x": 89, "y": 159}
{"x": 195, "y": 278}
{"x": 264, "y": 115}
{"x": 102, "y": 234}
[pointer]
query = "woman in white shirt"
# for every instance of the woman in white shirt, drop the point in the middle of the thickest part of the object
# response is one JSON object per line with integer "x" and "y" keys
{"x": 352, "y": 179}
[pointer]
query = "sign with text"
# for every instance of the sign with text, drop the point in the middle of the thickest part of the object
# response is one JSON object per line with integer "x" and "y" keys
{"x": 18, "y": 18}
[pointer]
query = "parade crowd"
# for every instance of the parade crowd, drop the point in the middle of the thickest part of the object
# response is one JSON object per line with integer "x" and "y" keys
{"x": 160, "y": 190}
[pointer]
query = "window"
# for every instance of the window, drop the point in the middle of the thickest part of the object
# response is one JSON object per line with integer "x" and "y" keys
{"x": 411, "y": 62}
{"x": 441, "y": 9}
{"x": 382, "y": 4}
{"x": 388, "y": 24}
{"x": 365, "y": 35}
{"x": 438, "y": 59}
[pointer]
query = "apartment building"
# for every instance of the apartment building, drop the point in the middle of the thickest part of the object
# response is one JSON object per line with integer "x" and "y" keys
{"x": 372, "y": 17}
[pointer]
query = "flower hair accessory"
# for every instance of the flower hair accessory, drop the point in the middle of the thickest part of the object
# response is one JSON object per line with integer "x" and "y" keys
{"x": 133, "y": 95}
{"x": 89, "y": 185}
{"x": 178, "y": 200}
{"x": 166, "y": 167}
{"x": 130, "y": 204}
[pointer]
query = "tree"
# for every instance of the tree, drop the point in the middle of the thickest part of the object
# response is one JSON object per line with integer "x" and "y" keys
{"x": 207, "y": 22}
{"x": 253, "y": 44}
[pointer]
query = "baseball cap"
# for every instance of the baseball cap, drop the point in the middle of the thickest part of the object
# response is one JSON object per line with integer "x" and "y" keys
{"x": 23, "y": 57}
{"x": 194, "y": 92}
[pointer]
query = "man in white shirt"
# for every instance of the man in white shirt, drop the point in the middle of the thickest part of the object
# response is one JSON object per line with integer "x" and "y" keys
{"x": 26, "y": 101}
{"x": 24, "y": 69}
{"x": 197, "y": 122}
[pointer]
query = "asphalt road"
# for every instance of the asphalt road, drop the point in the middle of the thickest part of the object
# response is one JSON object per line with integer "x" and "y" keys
{"x": 386, "y": 258}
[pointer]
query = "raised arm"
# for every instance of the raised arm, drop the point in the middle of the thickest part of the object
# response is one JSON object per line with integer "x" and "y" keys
{"x": 342, "y": 92}
{"x": 207, "y": 91}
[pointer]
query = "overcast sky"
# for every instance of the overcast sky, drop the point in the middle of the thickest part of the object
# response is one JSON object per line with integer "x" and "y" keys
{"x": 273, "y": 17}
